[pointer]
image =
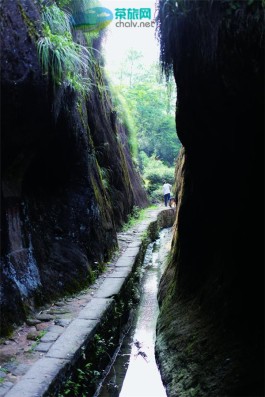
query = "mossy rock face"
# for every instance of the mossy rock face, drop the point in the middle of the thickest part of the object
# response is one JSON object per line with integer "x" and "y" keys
{"x": 210, "y": 329}
{"x": 112, "y": 152}
{"x": 56, "y": 205}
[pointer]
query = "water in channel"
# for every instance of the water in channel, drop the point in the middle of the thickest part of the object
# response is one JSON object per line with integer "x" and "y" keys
{"x": 135, "y": 373}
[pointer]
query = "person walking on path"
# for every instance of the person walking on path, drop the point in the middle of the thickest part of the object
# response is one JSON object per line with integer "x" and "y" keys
{"x": 166, "y": 192}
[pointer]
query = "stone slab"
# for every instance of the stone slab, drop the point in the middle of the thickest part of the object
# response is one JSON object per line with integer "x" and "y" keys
{"x": 63, "y": 322}
{"x": 21, "y": 369}
{"x": 73, "y": 338}
{"x": 125, "y": 261}
{"x": 135, "y": 244}
{"x": 95, "y": 309}
{"x": 37, "y": 380}
{"x": 142, "y": 228}
{"x": 4, "y": 387}
{"x": 110, "y": 287}
{"x": 45, "y": 317}
{"x": 123, "y": 272}
{"x": 11, "y": 366}
{"x": 58, "y": 311}
{"x": 56, "y": 328}
{"x": 43, "y": 347}
{"x": 50, "y": 337}
{"x": 131, "y": 252}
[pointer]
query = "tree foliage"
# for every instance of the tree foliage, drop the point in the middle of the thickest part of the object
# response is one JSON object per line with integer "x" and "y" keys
{"x": 152, "y": 107}
{"x": 147, "y": 104}
{"x": 154, "y": 173}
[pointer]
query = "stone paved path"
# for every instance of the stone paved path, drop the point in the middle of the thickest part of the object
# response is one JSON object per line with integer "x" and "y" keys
{"x": 43, "y": 346}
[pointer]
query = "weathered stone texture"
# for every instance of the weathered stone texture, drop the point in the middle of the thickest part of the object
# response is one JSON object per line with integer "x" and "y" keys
{"x": 210, "y": 330}
{"x": 59, "y": 220}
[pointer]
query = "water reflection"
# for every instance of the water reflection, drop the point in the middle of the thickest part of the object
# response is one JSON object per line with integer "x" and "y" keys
{"x": 135, "y": 373}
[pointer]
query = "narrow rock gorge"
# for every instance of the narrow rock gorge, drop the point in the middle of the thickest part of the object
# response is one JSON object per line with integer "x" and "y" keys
{"x": 68, "y": 178}
{"x": 69, "y": 181}
{"x": 210, "y": 338}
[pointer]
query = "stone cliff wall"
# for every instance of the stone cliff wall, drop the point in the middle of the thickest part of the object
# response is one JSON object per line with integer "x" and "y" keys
{"x": 210, "y": 329}
{"x": 68, "y": 181}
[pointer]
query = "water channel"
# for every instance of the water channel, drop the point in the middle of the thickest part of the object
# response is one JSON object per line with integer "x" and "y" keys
{"x": 134, "y": 372}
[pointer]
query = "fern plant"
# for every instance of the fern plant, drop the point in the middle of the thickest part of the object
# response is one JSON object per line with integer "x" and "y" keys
{"x": 66, "y": 61}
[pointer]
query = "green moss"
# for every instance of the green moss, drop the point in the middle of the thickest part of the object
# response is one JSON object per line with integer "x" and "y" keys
{"x": 99, "y": 192}
{"x": 103, "y": 90}
{"x": 104, "y": 204}
{"x": 80, "y": 106}
{"x": 125, "y": 171}
{"x": 125, "y": 118}
{"x": 31, "y": 28}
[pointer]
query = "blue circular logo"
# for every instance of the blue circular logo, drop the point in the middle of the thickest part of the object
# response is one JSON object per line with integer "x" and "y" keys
{"x": 94, "y": 18}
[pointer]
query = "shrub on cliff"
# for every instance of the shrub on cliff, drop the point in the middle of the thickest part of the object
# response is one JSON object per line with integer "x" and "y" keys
{"x": 66, "y": 61}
